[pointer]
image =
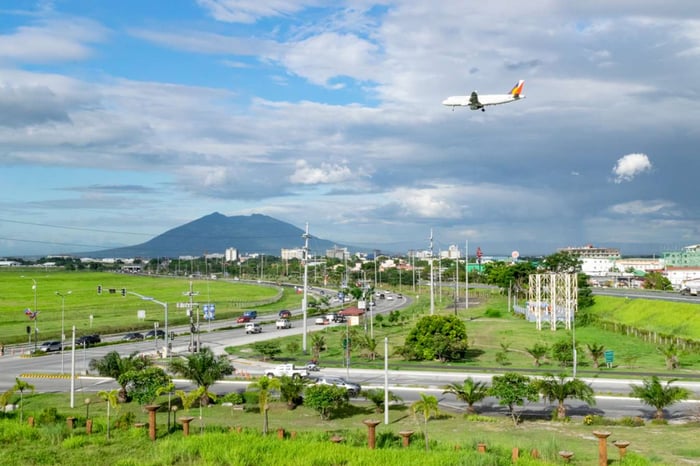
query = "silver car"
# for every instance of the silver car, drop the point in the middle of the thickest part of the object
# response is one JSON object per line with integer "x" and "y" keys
{"x": 352, "y": 387}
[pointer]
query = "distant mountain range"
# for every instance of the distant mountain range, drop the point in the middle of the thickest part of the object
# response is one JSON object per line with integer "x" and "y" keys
{"x": 214, "y": 233}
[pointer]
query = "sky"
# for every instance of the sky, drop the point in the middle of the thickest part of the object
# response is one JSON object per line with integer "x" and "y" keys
{"x": 122, "y": 120}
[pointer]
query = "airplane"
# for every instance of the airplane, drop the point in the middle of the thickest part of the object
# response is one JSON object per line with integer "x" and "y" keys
{"x": 476, "y": 101}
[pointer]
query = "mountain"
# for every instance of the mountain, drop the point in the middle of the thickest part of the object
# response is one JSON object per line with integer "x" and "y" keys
{"x": 214, "y": 233}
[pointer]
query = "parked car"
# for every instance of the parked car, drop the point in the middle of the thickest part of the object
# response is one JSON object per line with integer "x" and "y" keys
{"x": 49, "y": 346}
{"x": 155, "y": 334}
{"x": 243, "y": 319}
{"x": 352, "y": 387}
{"x": 132, "y": 336}
{"x": 252, "y": 327}
{"x": 251, "y": 314}
{"x": 285, "y": 314}
{"x": 88, "y": 340}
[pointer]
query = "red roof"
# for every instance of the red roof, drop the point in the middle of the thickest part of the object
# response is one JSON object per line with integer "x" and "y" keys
{"x": 352, "y": 311}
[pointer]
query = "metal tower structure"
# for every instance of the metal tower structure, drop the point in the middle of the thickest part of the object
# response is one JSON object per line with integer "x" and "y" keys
{"x": 554, "y": 297}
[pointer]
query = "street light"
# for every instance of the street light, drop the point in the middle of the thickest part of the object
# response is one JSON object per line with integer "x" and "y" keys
{"x": 36, "y": 314}
{"x": 165, "y": 306}
{"x": 63, "y": 314}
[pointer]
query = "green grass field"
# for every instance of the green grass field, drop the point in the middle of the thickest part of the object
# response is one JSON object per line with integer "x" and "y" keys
{"x": 112, "y": 312}
{"x": 215, "y": 438}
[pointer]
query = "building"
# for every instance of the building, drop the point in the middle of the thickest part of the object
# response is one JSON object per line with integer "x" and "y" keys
{"x": 595, "y": 261}
{"x": 689, "y": 256}
{"x": 231, "y": 255}
{"x": 289, "y": 254}
{"x": 452, "y": 252}
{"x": 338, "y": 253}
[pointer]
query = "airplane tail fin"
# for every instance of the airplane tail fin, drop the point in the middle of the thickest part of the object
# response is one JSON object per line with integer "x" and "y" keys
{"x": 518, "y": 88}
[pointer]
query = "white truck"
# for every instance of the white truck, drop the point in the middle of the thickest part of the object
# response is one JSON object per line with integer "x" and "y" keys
{"x": 283, "y": 323}
{"x": 289, "y": 370}
{"x": 691, "y": 287}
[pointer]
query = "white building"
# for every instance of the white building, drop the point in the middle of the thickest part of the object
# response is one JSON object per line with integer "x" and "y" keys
{"x": 231, "y": 255}
{"x": 452, "y": 252}
{"x": 288, "y": 254}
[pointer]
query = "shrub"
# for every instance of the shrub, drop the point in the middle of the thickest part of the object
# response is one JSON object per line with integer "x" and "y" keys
{"x": 232, "y": 397}
{"x": 125, "y": 420}
{"x": 490, "y": 312}
{"x": 628, "y": 421}
{"x": 49, "y": 416}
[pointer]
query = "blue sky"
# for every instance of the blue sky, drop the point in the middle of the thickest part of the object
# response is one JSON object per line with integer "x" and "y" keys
{"x": 119, "y": 121}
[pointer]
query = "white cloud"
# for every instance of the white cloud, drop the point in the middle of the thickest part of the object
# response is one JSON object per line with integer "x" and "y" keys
{"x": 249, "y": 11}
{"x": 327, "y": 173}
{"x": 631, "y": 165}
{"x": 643, "y": 207}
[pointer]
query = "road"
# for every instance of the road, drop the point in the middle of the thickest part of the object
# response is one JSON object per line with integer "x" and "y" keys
{"x": 611, "y": 401}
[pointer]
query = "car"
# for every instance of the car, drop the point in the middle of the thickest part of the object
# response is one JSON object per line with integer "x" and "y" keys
{"x": 132, "y": 336}
{"x": 252, "y": 327}
{"x": 88, "y": 340}
{"x": 285, "y": 314}
{"x": 243, "y": 319}
{"x": 283, "y": 324}
{"x": 352, "y": 388}
{"x": 322, "y": 321}
{"x": 155, "y": 334}
{"x": 251, "y": 314}
{"x": 49, "y": 346}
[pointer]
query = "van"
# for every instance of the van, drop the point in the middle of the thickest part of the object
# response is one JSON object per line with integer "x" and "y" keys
{"x": 252, "y": 327}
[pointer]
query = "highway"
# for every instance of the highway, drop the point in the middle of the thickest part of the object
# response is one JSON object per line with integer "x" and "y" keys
{"x": 45, "y": 374}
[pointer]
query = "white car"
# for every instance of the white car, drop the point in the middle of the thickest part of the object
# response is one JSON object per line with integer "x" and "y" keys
{"x": 252, "y": 327}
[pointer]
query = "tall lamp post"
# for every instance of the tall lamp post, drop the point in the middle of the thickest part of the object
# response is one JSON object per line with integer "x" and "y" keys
{"x": 63, "y": 315}
{"x": 36, "y": 315}
{"x": 166, "y": 349}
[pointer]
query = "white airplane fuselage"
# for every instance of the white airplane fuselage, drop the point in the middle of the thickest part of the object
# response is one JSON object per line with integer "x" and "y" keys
{"x": 484, "y": 99}
{"x": 478, "y": 102}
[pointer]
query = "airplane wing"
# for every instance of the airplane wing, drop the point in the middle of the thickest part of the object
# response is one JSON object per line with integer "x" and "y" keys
{"x": 474, "y": 101}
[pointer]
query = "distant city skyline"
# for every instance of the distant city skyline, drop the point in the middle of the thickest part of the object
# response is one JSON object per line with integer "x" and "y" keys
{"x": 118, "y": 123}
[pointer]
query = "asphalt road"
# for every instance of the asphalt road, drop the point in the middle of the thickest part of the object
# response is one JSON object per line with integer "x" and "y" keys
{"x": 51, "y": 372}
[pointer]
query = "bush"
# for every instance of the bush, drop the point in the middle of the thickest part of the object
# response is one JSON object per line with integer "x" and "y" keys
{"x": 628, "y": 421}
{"x": 125, "y": 421}
{"x": 49, "y": 416}
{"x": 495, "y": 313}
{"x": 232, "y": 397}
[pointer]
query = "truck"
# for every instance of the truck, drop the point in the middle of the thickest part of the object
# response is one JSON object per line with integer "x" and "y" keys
{"x": 290, "y": 370}
{"x": 283, "y": 323}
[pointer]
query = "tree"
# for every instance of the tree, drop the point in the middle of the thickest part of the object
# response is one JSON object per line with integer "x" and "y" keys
{"x": 437, "y": 337}
{"x": 427, "y": 407}
{"x": 143, "y": 385}
{"x": 318, "y": 344}
{"x": 202, "y": 368}
{"x": 562, "y": 262}
{"x": 188, "y": 399}
{"x": 20, "y": 386}
{"x": 169, "y": 389}
{"x": 376, "y": 397}
{"x": 470, "y": 392}
{"x": 113, "y": 365}
{"x": 269, "y": 349}
{"x": 656, "y": 281}
{"x": 263, "y": 386}
{"x": 538, "y": 351}
{"x": 560, "y": 388}
{"x": 112, "y": 399}
{"x": 324, "y": 399}
{"x": 369, "y": 347}
{"x": 672, "y": 354}
{"x": 652, "y": 393}
{"x": 596, "y": 351}
{"x": 563, "y": 352}
{"x": 513, "y": 389}
{"x": 292, "y": 390}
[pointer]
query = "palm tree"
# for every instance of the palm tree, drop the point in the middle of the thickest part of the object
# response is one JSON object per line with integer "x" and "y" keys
{"x": 112, "y": 399}
{"x": 538, "y": 351}
{"x": 168, "y": 388}
{"x": 470, "y": 392}
{"x": 369, "y": 344}
{"x": 318, "y": 344}
{"x": 376, "y": 396}
{"x": 264, "y": 385}
{"x": 596, "y": 351}
{"x": 113, "y": 365}
{"x": 672, "y": 355}
{"x": 560, "y": 388}
{"x": 654, "y": 394}
{"x": 202, "y": 368}
{"x": 20, "y": 385}
{"x": 427, "y": 406}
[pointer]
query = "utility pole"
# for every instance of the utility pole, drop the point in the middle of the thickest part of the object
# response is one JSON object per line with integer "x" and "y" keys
{"x": 304, "y": 303}
{"x": 432, "y": 296}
